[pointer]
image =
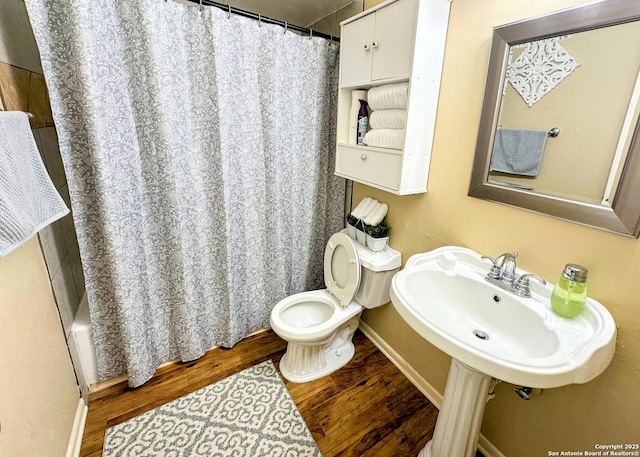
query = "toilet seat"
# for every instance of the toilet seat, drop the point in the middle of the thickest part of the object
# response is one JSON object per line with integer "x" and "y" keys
{"x": 342, "y": 268}
{"x": 317, "y": 333}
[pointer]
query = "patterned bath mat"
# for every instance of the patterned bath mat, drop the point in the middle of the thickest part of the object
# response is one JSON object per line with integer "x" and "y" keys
{"x": 249, "y": 414}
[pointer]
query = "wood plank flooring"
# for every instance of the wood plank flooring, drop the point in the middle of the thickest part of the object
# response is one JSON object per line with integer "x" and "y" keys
{"x": 366, "y": 409}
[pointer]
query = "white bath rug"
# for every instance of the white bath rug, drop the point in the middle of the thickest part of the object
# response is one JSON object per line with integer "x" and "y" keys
{"x": 249, "y": 414}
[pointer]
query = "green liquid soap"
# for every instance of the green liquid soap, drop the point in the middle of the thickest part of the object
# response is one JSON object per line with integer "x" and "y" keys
{"x": 570, "y": 292}
{"x": 568, "y": 297}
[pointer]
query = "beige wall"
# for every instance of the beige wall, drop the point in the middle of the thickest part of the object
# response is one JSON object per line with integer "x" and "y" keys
{"x": 38, "y": 390}
{"x": 571, "y": 418}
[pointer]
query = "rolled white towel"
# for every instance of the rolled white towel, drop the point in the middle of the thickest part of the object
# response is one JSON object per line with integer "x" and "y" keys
{"x": 385, "y": 138}
{"x": 358, "y": 210}
{"x": 388, "y": 96}
{"x": 388, "y": 119}
{"x": 371, "y": 205}
{"x": 371, "y": 209}
{"x": 378, "y": 215}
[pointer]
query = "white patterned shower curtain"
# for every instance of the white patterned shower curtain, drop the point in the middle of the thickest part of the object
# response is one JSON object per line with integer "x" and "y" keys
{"x": 199, "y": 153}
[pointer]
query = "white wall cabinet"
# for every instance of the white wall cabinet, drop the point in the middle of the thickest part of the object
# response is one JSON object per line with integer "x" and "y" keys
{"x": 397, "y": 41}
{"x": 375, "y": 48}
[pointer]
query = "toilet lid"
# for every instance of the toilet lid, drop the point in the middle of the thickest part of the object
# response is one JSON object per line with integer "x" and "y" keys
{"x": 341, "y": 268}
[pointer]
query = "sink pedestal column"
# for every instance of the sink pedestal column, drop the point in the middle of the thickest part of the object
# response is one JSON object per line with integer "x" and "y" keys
{"x": 458, "y": 425}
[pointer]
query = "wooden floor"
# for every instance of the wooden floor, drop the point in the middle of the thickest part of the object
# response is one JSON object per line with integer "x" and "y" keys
{"x": 367, "y": 408}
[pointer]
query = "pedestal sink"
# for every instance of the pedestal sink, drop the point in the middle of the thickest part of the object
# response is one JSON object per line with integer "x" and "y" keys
{"x": 492, "y": 334}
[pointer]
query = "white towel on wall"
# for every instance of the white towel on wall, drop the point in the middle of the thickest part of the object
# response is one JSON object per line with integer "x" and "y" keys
{"x": 385, "y": 138}
{"x": 28, "y": 199}
{"x": 389, "y": 96}
{"x": 388, "y": 119}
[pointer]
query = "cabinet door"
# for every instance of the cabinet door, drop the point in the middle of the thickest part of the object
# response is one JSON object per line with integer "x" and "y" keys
{"x": 355, "y": 44}
{"x": 393, "y": 40}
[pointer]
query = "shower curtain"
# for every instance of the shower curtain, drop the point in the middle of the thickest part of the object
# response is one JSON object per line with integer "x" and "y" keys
{"x": 198, "y": 148}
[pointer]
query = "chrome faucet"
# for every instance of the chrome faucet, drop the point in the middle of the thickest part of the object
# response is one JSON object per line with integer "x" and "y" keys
{"x": 503, "y": 275}
{"x": 508, "y": 267}
{"x": 503, "y": 268}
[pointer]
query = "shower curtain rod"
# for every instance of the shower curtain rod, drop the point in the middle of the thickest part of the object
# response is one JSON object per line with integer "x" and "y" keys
{"x": 258, "y": 17}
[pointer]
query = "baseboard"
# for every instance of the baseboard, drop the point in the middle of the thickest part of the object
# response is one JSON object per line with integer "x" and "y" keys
{"x": 435, "y": 397}
{"x": 487, "y": 448}
{"x": 75, "y": 440}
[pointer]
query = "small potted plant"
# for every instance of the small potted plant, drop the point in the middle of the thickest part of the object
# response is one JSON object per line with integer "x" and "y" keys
{"x": 356, "y": 229}
{"x": 352, "y": 223}
{"x": 361, "y": 236}
{"x": 377, "y": 236}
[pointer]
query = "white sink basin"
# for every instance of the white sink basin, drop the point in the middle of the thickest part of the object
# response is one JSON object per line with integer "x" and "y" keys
{"x": 443, "y": 296}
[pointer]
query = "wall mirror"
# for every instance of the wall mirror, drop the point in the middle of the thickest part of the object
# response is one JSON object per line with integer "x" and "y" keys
{"x": 559, "y": 131}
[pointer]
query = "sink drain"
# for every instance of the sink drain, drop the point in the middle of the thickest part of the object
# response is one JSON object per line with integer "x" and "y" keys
{"x": 480, "y": 334}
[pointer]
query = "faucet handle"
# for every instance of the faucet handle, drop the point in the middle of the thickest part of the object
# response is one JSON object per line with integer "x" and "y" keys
{"x": 522, "y": 285}
{"x": 524, "y": 279}
{"x": 495, "y": 271}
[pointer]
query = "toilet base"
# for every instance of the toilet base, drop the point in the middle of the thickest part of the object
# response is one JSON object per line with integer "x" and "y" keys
{"x": 307, "y": 362}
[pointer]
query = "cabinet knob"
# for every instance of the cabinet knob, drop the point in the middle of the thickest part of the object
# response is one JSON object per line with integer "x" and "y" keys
{"x": 374, "y": 44}
{"x": 366, "y": 48}
{"x": 363, "y": 157}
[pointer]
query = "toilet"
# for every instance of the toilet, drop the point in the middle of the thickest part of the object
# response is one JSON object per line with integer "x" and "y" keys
{"x": 319, "y": 325}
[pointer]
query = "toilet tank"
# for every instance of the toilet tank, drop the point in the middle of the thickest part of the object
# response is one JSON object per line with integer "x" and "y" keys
{"x": 377, "y": 270}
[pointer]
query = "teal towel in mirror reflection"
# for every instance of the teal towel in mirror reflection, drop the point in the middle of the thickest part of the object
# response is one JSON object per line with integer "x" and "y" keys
{"x": 518, "y": 152}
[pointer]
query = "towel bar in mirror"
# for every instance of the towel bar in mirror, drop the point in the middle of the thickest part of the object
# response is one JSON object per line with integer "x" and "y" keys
{"x": 590, "y": 173}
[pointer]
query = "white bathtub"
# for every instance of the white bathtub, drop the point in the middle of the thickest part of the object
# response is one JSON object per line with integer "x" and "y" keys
{"x": 83, "y": 349}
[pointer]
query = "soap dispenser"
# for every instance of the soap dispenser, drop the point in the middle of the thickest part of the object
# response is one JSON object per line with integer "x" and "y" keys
{"x": 570, "y": 292}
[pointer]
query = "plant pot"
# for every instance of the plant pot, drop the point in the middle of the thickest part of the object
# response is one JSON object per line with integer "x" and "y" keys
{"x": 361, "y": 237}
{"x": 377, "y": 244}
{"x": 351, "y": 231}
